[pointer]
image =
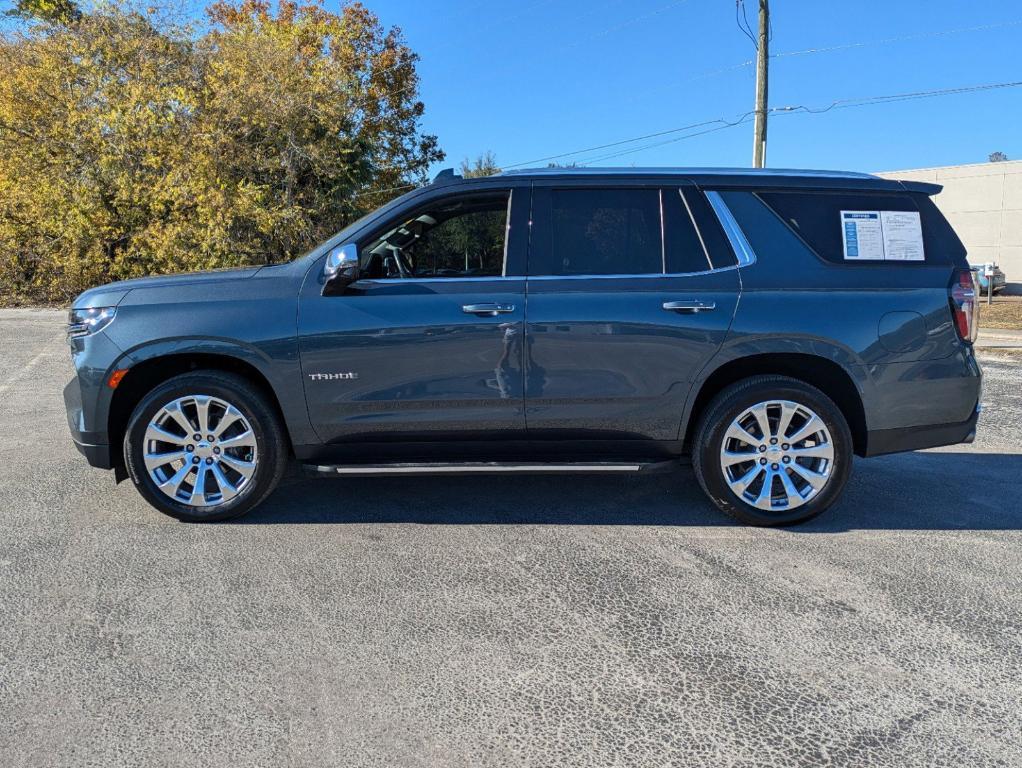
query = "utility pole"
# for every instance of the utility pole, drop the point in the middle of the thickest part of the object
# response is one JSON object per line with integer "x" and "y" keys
{"x": 762, "y": 62}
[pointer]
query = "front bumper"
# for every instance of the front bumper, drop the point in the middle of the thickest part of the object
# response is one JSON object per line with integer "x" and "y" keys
{"x": 94, "y": 446}
{"x": 97, "y": 455}
{"x": 87, "y": 397}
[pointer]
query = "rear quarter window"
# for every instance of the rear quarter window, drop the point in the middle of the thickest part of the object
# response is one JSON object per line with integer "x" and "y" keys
{"x": 816, "y": 218}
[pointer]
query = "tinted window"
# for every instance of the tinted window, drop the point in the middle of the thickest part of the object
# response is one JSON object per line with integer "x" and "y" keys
{"x": 602, "y": 232}
{"x": 817, "y": 216}
{"x": 460, "y": 238}
{"x": 940, "y": 240}
{"x": 683, "y": 246}
{"x": 773, "y": 243}
{"x": 717, "y": 244}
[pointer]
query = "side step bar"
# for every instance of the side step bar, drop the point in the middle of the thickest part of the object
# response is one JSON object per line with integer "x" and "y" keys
{"x": 486, "y": 468}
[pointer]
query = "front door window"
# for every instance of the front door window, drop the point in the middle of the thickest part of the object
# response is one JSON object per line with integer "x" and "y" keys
{"x": 459, "y": 239}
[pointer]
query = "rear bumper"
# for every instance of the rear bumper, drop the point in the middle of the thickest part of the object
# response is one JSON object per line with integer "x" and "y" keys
{"x": 884, "y": 441}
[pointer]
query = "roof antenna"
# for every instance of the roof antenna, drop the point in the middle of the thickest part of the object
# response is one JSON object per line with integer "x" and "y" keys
{"x": 446, "y": 176}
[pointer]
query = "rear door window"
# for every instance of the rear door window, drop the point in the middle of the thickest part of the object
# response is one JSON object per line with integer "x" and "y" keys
{"x": 601, "y": 232}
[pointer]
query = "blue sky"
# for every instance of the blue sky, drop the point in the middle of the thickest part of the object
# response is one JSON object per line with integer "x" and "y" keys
{"x": 533, "y": 78}
{"x": 528, "y": 79}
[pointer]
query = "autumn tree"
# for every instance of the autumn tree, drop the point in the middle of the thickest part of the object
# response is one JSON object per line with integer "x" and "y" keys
{"x": 130, "y": 145}
{"x": 53, "y": 11}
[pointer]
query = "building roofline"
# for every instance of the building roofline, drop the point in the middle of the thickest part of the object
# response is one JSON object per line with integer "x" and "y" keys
{"x": 987, "y": 164}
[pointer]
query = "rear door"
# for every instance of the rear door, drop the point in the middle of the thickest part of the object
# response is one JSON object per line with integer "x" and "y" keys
{"x": 631, "y": 290}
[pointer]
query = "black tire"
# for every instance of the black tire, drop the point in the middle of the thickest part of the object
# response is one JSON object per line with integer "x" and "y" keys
{"x": 729, "y": 405}
{"x": 271, "y": 446}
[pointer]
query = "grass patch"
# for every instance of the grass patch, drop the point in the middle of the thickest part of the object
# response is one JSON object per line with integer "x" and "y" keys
{"x": 1001, "y": 314}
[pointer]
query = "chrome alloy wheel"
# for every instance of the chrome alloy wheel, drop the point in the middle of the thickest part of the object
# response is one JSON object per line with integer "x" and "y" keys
{"x": 200, "y": 451}
{"x": 777, "y": 455}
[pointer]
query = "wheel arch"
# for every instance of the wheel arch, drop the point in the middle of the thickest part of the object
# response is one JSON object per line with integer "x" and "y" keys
{"x": 143, "y": 376}
{"x": 827, "y": 375}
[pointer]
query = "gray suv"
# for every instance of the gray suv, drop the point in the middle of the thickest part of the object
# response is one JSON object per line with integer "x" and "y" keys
{"x": 770, "y": 325}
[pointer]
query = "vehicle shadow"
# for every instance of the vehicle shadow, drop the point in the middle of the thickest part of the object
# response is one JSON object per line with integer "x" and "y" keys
{"x": 914, "y": 491}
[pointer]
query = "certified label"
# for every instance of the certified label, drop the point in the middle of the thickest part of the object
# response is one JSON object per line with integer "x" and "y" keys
{"x": 882, "y": 236}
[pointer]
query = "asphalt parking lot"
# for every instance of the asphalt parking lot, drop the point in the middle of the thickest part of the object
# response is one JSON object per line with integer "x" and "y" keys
{"x": 504, "y": 621}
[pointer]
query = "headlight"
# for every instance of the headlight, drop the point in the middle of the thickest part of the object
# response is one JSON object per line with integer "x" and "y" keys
{"x": 83, "y": 322}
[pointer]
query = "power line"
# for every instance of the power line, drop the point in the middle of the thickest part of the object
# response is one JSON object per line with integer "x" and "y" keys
{"x": 613, "y": 144}
{"x": 722, "y": 123}
{"x": 893, "y": 98}
{"x": 844, "y": 46}
{"x": 859, "y": 44}
{"x": 741, "y": 121}
{"x": 901, "y": 39}
{"x": 742, "y": 20}
{"x": 733, "y": 67}
{"x": 629, "y": 22}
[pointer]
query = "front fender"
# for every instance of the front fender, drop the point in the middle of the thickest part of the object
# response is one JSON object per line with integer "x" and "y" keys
{"x": 278, "y": 365}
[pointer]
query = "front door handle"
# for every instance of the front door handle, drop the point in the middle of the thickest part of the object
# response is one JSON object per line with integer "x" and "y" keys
{"x": 690, "y": 306}
{"x": 487, "y": 310}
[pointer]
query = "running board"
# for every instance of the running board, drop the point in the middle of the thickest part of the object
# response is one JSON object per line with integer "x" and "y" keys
{"x": 487, "y": 468}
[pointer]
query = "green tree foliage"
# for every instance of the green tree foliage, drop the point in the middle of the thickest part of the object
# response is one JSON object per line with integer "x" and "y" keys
{"x": 53, "y": 11}
{"x": 484, "y": 165}
{"x": 131, "y": 146}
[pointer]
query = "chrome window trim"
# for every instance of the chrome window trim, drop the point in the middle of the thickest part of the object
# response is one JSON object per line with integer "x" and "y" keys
{"x": 740, "y": 244}
{"x": 507, "y": 230}
{"x": 642, "y": 276}
{"x": 706, "y": 251}
{"x": 396, "y": 280}
{"x": 663, "y": 234}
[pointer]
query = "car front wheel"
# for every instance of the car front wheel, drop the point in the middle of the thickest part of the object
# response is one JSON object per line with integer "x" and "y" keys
{"x": 772, "y": 450}
{"x": 205, "y": 446}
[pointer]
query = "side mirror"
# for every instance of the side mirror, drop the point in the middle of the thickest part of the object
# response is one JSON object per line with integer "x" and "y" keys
{"x": 340, "y": 269}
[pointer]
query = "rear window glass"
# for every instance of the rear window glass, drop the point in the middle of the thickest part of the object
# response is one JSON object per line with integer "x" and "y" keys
{"x": 771, "y": 241}
{"x": 816, "y": 218}
{"x": 942, "y": 242}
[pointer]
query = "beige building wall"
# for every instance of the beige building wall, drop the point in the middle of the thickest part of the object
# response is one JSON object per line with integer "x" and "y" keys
{"x": 983, "y": 202}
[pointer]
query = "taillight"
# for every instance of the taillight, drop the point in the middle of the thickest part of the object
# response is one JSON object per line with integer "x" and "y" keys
{"x": 964, "y": 305}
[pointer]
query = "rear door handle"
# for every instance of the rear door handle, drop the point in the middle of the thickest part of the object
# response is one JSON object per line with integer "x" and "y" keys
{"x": 487, "y": 310}
{"x": 690, "y": 306}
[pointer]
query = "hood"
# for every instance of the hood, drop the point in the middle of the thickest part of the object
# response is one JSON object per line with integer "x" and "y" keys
{"x": 111, "y": 294}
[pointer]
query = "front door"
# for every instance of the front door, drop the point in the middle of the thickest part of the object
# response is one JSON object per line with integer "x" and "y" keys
{"x": 427, "y": 344}
{"x": 625, "y": 307}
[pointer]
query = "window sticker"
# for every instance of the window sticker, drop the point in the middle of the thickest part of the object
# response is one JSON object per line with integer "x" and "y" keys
{"x": 882, "y": 236}
{"x": 903, "y": 236}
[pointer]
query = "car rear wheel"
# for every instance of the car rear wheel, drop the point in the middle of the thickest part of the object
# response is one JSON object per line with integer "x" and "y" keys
{"x": 772, "y": 450}
{"x": 205, "y": 446}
